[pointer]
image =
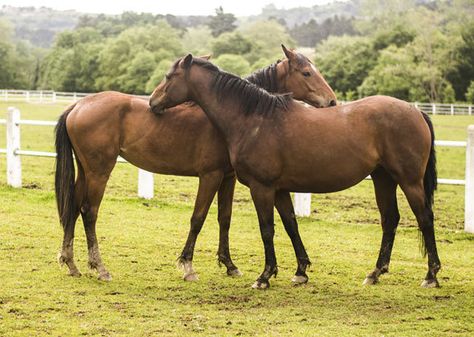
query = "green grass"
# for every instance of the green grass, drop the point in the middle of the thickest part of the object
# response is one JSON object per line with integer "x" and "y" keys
{"x": 140, "y": 241}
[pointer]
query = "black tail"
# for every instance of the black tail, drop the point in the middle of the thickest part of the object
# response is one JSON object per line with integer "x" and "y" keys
{"x": 65, "y": 173}
{"x": 430, "y": 180}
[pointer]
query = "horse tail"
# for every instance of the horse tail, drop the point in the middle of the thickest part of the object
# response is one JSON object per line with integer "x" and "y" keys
{"x": 430, "y": 180}
{"x": 65, "y": 173}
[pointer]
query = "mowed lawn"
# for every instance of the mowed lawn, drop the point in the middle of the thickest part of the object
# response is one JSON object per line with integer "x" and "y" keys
{"x": 141, "y": 239}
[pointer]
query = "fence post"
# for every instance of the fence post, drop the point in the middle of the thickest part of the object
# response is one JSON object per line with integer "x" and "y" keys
{"x": 452, "y": 109}
{"x": 303, "y": 204}
{"x": 433, "y": 108}
{"x": 469, "y": 109}
{"x": 13, "y": 144}
{"x": 54, "y": 97}
{"x": 27, "y": 96}
{"x": 469, "y": 197}
{"x": 145, "y": 184}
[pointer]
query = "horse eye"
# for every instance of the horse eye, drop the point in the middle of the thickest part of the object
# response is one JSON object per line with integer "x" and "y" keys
{"x": 306, "y": 74}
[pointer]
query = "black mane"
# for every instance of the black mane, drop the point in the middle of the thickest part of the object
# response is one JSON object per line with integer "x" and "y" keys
{"x": 253, "y": 100}
{"x": 266, "y": 78}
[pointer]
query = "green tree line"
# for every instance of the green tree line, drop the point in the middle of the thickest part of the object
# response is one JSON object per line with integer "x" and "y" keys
{"x": 413, "y": 50}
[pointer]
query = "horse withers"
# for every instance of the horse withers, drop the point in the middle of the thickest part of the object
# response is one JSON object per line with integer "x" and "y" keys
{"x": 277, "y": 145}
{"x": 179, "y": 141}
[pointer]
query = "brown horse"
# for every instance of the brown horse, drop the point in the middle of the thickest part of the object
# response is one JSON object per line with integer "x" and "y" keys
{"x": 277, "y": 145}
{"x": 181, "y": 141}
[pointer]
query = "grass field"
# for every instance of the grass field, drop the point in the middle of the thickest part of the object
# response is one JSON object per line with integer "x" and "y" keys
{"x": 140, "y": 241}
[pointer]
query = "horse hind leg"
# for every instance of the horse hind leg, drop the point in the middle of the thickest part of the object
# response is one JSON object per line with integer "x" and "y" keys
{"x": 66, "y": 255}
{"x": 287, "y": 213}
{"x": 385, "y": 193}
{"x": 421, "y": 207}
{"x": 89, "y": 210}
{"x": 225, "y": 197}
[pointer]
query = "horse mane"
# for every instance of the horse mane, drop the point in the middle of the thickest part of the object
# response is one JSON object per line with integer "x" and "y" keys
{"x": 266, "y": 78}
{"x": 252, "y": 99}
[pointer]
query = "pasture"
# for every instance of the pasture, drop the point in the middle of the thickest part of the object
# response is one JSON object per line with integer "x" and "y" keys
{"x": 141, "y": 239}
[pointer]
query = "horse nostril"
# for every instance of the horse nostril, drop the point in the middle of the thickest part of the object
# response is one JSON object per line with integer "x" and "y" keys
{"x": 332, "y": 103}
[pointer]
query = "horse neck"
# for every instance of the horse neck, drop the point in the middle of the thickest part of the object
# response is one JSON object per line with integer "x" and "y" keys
{"x": 224, "y": 113}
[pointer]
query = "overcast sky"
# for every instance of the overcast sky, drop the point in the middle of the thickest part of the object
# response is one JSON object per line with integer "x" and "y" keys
{"x": 175, "y": 7}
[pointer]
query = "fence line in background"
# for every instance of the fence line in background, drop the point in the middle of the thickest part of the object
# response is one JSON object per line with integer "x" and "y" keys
{"x": 146, "y": 179}
{"x": 14, "y": 153}
{"x": 58, "y": 96}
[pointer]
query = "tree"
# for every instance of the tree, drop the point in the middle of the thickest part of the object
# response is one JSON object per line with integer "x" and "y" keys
{"x": 345, "y": 61}
{"x": 198, "y": 40}
{"x": 72, "y": 63}
{"x": 462, "y": 73}
{"x": 266, "y": 37}
{"x": 311, "y": 33}
{"x": 119, "y": 63}
{"x": 470, "y": 93}
{"x": 235, "y": 64}
{"x": 222, "y": 22}
{"x": 231, "y": 43}
{"x": 392, "y": 76}
{"x": 18, "y": 61}
{"x": 158, "y": 75}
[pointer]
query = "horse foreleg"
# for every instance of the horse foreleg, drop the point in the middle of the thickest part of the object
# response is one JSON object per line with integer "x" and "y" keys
{"x": 385, "y": 192}
{"x": 287, "y": 213}
{"x": 264, "y": 200}
{"x": 208, "y": 186}
{"x": 225, "y": 196}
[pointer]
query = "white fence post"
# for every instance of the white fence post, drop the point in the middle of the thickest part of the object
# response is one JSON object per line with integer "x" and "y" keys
{"x": 13, "y": 144}
{"x": 303, "y": 204}
{"x": 145, "y": 184}
{"x": 469, "y": 188}
{"x": 452, "y": 109}
{"x": 434, "y": 109}
{"x": 469, "y": 109}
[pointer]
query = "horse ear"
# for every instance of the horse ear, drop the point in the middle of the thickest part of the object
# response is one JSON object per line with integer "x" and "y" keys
{"x": 290, "y": 54}
{"x": 187, "y": 61}
{"x": 205, "y": 57}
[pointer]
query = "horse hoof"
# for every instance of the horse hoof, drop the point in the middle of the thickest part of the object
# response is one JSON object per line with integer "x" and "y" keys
{"x": 192, "y": 277}
{"x": 433, "y": 283}
{"x": 105, "y": 277}
{"x": 299, "y": 279}
{"x": 369, "y": 281}
{"x": 75, "y": 273}
{"x": 234, "y": 273}
{"x": 261, "y": 285}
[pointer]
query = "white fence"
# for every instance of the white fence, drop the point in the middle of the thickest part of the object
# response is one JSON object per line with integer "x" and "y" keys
{"x": 14, "y": 153}
{"x": 145, "y": 179}
{"x": 57, "y": 96}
